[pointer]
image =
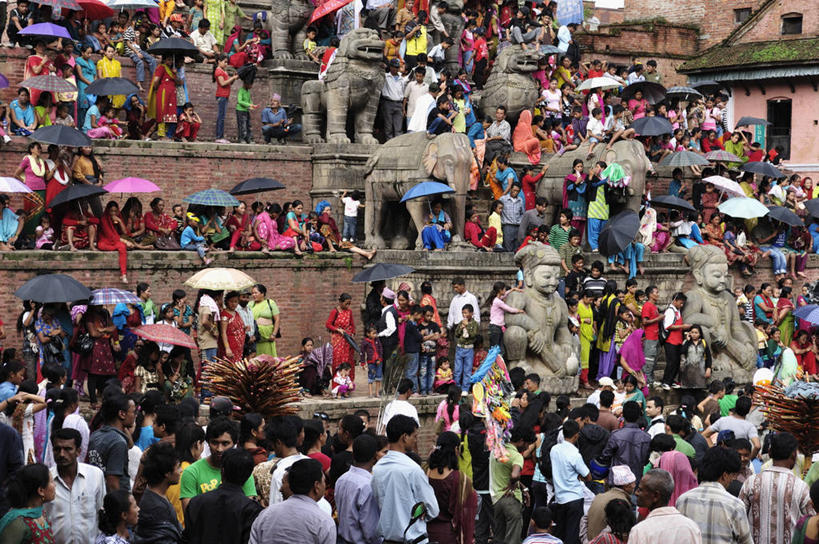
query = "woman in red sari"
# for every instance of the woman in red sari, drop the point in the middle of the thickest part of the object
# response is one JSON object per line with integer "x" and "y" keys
{"x": 232, "y": 342}
{"x": 38, "y": 64}
{"x": 805, "y": 351}
{"x": 162, "y": 225}
{"x": 79, "y": 228}
{"x": 340, "y": 322}
{"x": 113, "y": 236}
{"x": 239, "y": 225}
{"x": 162, "y": 96}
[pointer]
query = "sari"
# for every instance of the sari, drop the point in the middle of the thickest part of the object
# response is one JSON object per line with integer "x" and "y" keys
{"x": 266, "y": 310}
{"x": 162, "y": 99}
{"x": 111, "y": 68}
{"x": 33, "y": 202}
{"x": 28, "y": 72}
{"x": 788, "y": 323}
{"x": 677, "y": 464}
{"x": 342, "y": 350}
{"x": 236, "y": 58}
{"x": 607, "y": 348}
{"x": 523, "y": 140}
{"x": 234, "y": 336}
{"x": 29, "y": 516}
{"x": 269, "y": 234}
{"x": 88, "y": 69}
{"x": 632, "y": 353}
{"x": 458, "y": 505}
{"x": 575, "y": 198}
{"x": 215, "y": 13}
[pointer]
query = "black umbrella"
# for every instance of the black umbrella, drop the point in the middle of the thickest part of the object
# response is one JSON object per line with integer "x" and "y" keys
{"x": 748, "y": 121}
{"x": 61, "y": 135}
{"x": 684, "y": 158}
{"x": 673, "y": 202}
{"x": 618, "y": 233}
{"x": 652, "y": 126}
{"x": 683, "y": 93}
{"x": 708, "y": 86}
{"x": 109, "y": 86}
{"x": 382, "y": 271}
{"x": 813, "y": 207}
{"x": 51, "y": 288}
{"x": 784, "y": 215}
{"x": 173, "y": 46}
{"x": 76, "y": 192}
{"x": 256, "y": 185}
{"x": 653, "y": 92}
{"x": 763, "y": 169}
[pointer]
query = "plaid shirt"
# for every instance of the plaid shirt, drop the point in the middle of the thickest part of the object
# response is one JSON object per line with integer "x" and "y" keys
{"x": 720, "y": 515}
{"x": 775, "y": 500}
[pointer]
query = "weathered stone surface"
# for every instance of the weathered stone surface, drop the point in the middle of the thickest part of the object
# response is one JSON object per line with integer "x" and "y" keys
{"x": 510, "y": 83}
{"x": 288, "y": 19}
{"x": 349, "y": 92}
{"x": 286, "y": 77}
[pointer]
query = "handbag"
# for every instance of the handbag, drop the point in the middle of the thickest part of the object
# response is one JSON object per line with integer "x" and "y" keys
{"x": 84, "y": 344}
{"x": 53, "y": 350}
{"x": 167, "y": 242}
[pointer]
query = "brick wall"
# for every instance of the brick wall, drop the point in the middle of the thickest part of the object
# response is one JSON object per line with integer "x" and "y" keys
{"x": 769, "y": 26}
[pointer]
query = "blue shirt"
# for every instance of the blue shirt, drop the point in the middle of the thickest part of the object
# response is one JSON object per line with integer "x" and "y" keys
{"x": 475, "y": 132}
{"x": 93, "y": 110}
{"x": 398, "y": 483}
{"x": 24, "y": 115}
{"x": 189, "y": 236}
{"x": 7, "y": 390}
{"x": 146, "y": 438}
{"x": 759, "y": 313}
{"x": 503, "y": 176}
{"x": 567, "y": 465}
{"x": 674, "y": 187}
{"x": 358, "y": 512}
{"x": 270, "y": 117}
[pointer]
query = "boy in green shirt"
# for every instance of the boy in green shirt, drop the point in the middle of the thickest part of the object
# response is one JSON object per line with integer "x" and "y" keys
{"x": 505, "y": 489}
{"x": 465, "y": 333}
{"x": 243, "y": 106}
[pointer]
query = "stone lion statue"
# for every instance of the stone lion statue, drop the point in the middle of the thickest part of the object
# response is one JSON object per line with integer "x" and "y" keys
{"x": 711, "y": 306}
{"x": 539, "y": 339}
{"x": 287, "y": 27}
{"x": 351, "y": 87}
{"x": 510, "y": 84}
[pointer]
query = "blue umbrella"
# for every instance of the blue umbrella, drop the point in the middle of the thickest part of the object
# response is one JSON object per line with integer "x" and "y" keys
{"x": 427, "y": 188}
{"x": 211, "y": 197}
{"x": 809, "y": 313}
{"x": 46, "y": 29}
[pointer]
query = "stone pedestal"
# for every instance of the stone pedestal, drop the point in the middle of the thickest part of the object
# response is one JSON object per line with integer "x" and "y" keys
{"x": 287, "y": 76}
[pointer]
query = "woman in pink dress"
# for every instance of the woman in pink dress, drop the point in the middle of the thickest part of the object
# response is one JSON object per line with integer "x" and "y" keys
{"x": 267, "y": 233}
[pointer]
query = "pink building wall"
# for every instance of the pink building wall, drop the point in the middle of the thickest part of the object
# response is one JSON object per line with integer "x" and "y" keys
{"x": 804, "y": 119}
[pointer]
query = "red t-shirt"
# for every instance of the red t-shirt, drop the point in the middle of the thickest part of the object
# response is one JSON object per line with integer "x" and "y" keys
{"x": 321, "y": 458}
{"x": 652, "y": 332}
{"x": 595, "y": 73}
{"x": 221, "y": 90}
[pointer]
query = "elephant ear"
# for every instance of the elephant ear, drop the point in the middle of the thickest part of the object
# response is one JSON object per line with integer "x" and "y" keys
{"x": 430, "y": 158}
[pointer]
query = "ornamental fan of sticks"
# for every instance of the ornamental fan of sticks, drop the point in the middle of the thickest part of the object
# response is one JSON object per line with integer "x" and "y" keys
{"x": 798, "y": 415}
{"x": 265, "y": 385}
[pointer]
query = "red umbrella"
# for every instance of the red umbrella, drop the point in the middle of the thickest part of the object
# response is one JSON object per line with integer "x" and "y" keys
{"x": 328, "y": 7}
{"x": 165, "y": 334}
{"x": 95, "y": 10}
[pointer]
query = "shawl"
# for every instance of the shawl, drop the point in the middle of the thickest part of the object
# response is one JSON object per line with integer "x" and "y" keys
{"x": 677, "y": 464}
{"x": 15, "y": 513}
{"x": 648, "y": 225}
{"x": 523, "y": 140}
{"x": 234, "y": 37}
{"x": 632, "y": 350}
{"x": 325, "y": 219}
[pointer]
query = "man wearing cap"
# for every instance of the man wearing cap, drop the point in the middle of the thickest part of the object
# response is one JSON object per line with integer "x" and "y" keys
{"x": 388, "y": 329}
{"x": 275, "y": 123}
{"x": 141, "y": 58}
{"x": 606, "y": 384}
{"x": 392, "y": 101}
{"x": 623, "y": 483}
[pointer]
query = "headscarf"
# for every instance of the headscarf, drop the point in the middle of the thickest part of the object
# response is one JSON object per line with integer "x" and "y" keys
{"x": 632, "y": 350}
{"x": 677, "y": 464}
{"x": 321, "y": 205}
{"x": 648, "y": 225}
{"x": 127, "y": 104}
{"x": 523, "y": 140}
{"x": 234, "y": 35}
{"x": 120, "y": 315}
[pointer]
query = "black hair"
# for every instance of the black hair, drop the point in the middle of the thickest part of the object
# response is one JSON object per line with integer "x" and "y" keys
{"x": 114, "y": 504}
{"x": 67, "y": 434}
{"x": 398, "y": 426}
{"x": 177, "y": 295}
{"x": 658, "y": 401}
{"x": 158, "y": 461}
{"x": 113, "y": 405}
{"x": 715, "y": 387}
{"x": 9, "y": 368}
{"x": 59, "y": 406}
{"x": 570, "y": 428}
{"x": 619, "y": 518}
{"x": 606, "y": 398}
{"x": 303, "y": 475}
{"x": 167, "y": 415}
{"x": 249, "y": 423}
{"x": 743, "y": 406}
{"x": 365, "y": 447}
{"x": 313, "y": 430}
{"x": 542, "y": 517}
{"x": 186, "y": 437}
{"x": 590, "y": 411}
{"x": 237, "y": 466}
{"x": 562, "y": 404}
{"x": 352, "y": 424}
{"x": 718, "y": 461}
{"x": 285, "y": 430}
{"x": 677, "y": 423}
{"x": 632, "y": 411}
{"x": 219, "y": 426}
{"x": 405, "y": 386}
{"x": 662, "y": 443}
{"x": 25, "y": 483}
{"x": 445, "y": 454}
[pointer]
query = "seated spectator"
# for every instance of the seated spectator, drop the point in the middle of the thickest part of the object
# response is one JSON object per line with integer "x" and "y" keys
{"x": 135, "y": 224}
{"x": 205, "y": 41}
{"x": 192, "y": 241}
{"x": 139, "y": 127}
{"x": 10, "y": 225}
{"x": 23, "y": 120}
{"x": 475, "y": 234}
{"x": 187, "y": 128}
{"x": 79, "y": 227}
{"x": 107, "y": 125}
{"x": 162, "y": 225}
{"x": 275, "y": 123}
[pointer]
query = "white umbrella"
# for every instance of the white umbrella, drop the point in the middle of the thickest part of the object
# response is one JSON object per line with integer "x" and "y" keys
{"x": 598, "y": 83}
{"x": 130, "y": 4}
{"x": 743, "y": 207}
{"x": 13, "y": 185}
{"x": 725, "y": 185}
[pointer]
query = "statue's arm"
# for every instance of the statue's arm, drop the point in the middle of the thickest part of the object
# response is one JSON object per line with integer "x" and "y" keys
{"x": 693, "y": 311}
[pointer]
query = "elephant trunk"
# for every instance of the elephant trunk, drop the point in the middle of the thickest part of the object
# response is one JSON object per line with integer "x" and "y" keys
{"x": 458, "y": 177}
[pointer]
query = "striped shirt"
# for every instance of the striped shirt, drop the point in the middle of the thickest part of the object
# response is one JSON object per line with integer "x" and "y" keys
{"x": 720, "y": 515}
{"x": 542, "y": 538}
{"x": 599, "y": 208}
{"x": 775, "y": 499}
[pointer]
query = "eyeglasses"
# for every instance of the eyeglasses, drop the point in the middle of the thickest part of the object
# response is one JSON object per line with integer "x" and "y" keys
{"x": 321, "y": 415}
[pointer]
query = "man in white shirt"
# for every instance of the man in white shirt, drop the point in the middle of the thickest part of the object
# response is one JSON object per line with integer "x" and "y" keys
{"x": 654, "y": 410}
{"x": 636, "y": 75}
{"x": 80, "y": 490}
{"x": 204, "y": 40}
{"x": 417, "y": 121}
{"x": 380, "y": 12}
{"x": 401, "y": 405}
{"x": 392, "y": 101}
{"x": 564, "y": 37}
{"x": 413, "y": 92}
{"x": 283, "y": 433}
{"x": 461, "y": 298}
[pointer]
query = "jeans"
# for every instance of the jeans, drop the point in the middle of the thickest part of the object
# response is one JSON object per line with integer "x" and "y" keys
{"x": 632, "y": 255}
{"x": 484, "y": 524}
{"x": 567, "y": 521}
{"x": 198, "y": 247}
{"x": 374, "y": 372}
{"x": 508, "y": 520}
{"x": 243, "y": 126}
{"x": 280, "y": 133}
{"x": 463, "y": 366}
{"x": 221, "y": 105}
{"x": 780, "y": 262}
{"x": 672, "y": 362}
{"x": 205, "y": 355}
{"x": 426, "y": 372}
{"x": 436, "y": 125}
{"x": 411, "y": 370}
{"x": 349, "y": 228}
{"x": 140, "y": 64}
{"x": 595, "y": 226}
{"x": 650, "y": 351}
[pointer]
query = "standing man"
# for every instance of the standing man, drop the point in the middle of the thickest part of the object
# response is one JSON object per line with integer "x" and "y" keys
{"x": 630, "y": 445}
{"x": 299, "y": 519}
{"x": 349, "y": 428}
{"x": 568, "y": 474}
{"x": 737, "y": 423}
{"x": 654, "y": 410}
{"x": 224, "y": 515}
{"x": 461, "y": 298}
{"x": 416, "y": 39}
{"x": 398, "y": 483}
{"x": 720, "y": 515}
{"x": 651, "y": 317}
{"x": 651, "y": 73}
{"x": 664, "y": 523}
{"x": 388, "y": 333}
{"x": 108, "y": 445}
{"x": 531, "y": 219}
{"x": 598, "y": 210}
{"x": 80, "y": 492}
{"x": 413, "y": 92}
{"x": 622, "y": 486}
{"x": 673, "y": 323}
{"x": 505, "y": 487}
{"x": 776, "y": 499}
{"x": 392, "y": 101}
{"x": 358, "y": 512}
{"x": 511, "y": 216}
{"x": 401, "y": 405}
{"x": 283, "y": 435}
{"x": 157, "y": 517}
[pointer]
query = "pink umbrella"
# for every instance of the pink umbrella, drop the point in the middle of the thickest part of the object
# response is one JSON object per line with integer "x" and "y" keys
{"x": 132, "y": 185}
{"x": 326, "y": 8}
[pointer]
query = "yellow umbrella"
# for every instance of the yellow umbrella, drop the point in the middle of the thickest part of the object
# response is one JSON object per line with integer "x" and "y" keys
{"x": 220, "y": 279}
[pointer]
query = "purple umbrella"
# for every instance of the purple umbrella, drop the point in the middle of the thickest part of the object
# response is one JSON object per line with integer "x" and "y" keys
{"x": 131, "y": 185}
{"x": 4, "y": 81}
{"x": 46, "y": 29}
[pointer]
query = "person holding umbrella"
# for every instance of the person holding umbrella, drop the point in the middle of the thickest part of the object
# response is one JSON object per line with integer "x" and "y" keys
{"x": 341, "y": 325}
{"x": 162, "y": 96}
{"x": 39, "y": 64}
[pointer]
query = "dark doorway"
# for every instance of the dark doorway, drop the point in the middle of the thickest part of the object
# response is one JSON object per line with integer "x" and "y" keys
{"x": 779, "y": 133}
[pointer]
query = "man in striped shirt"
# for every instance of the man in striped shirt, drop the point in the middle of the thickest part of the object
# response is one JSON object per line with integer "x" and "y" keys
{"x": 720, "y": 515}
{"x": 775, "y": 498}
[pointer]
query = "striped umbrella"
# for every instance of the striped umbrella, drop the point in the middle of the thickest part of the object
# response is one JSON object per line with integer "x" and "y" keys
{"x": 718, "y": 155}
{"x": 684, "y": 158}
{"x": 72, "y": 5}
{"x": 110, "y": 296}
{"x": 50, "y": 83}
{"x": 212, "y": 197}
{"x": 13, "y": 185}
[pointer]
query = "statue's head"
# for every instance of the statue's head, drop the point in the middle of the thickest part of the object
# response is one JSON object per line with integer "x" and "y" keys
{"x": 541, "y": 267}
{"x": 710, "y": 268}
{"x": 515, "y": 59}
{"x": 361, "y": 44}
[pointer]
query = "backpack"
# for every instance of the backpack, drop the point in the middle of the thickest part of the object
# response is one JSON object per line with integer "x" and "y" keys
{"x": 544, "y": 462}
{"x": 662, "y": 330}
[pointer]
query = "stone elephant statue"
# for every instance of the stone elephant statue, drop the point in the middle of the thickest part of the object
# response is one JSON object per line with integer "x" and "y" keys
{"x": 627, "y": 153}
{"x": 405, "y": 161}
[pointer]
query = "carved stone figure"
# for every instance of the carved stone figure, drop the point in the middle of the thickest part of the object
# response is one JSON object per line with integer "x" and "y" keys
{"x": 627, "y": 153}
{"x": 510, "y": 84}
{"x": 288, "y": 19}
{"x": 453, "y": 22}
{"x": 711, "y": 306}
{"x": 351, "y": 87}
{"x": 539, "y": 339}
{"x": 405, "y": 161}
